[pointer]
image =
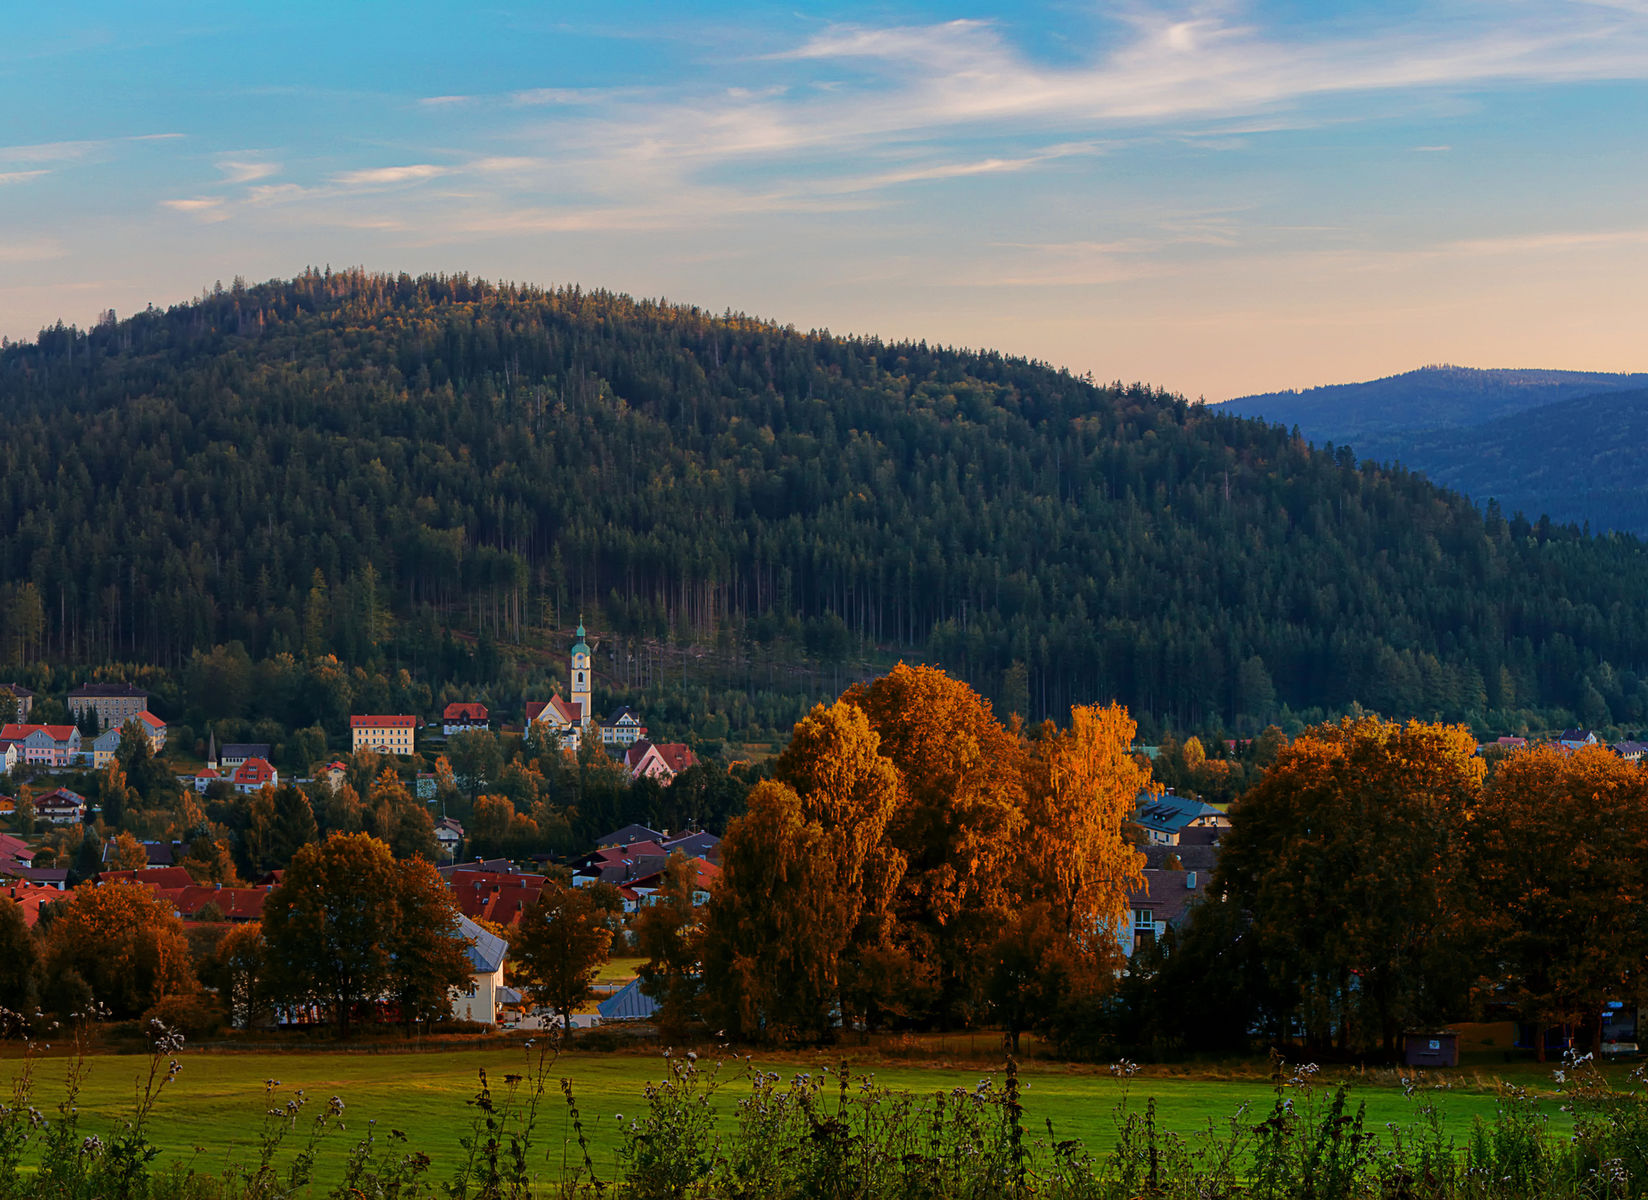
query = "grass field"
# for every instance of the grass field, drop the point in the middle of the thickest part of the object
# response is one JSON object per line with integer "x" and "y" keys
{"x": 212, "y": 1113}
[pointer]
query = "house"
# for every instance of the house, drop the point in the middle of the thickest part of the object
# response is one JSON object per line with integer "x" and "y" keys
{"x": 662, "y": 761}
{"x": 103, "y": 747}
{"x": 479, "y": 1002}
{"x": 235, "y": 753}
{"x": 24, "y": 698}
{"x": 205, "y": 778}
{"x": 46, "y": 745}
{"x": 155, "y": 728}
{"x": 114, "y": 703}
{"x": 628, "y": 834}
{"x": 156, "y": 855}
{"x": 619, "y": 865}
{"x": 623, "y": 729}
{"x": 60, "y": 807}
{"x": 333, "y": 774}
{"x": 29, "y": 897}
{"x": 464, "y": 717}
{"x": 382, "y": 734}
{"x": 159, "y": 878}
{"x": 15, "y": 850}
{"x": 450, "y": 835}
{"x": 235, "y": 904}
{"x": 560, "y": 719}
{"x": 1630, "y": 751}
{"x": 1163, "y": 819}
{"x": 11, "y": 753}
{"x": 695, "y": 845}
{"x": 1574, "y": 739}
{"x": 640, "y": 892}
{"x": 253, "y": 774}
{"x": 1159, "y": 904}
{"x": 499, "y": 896}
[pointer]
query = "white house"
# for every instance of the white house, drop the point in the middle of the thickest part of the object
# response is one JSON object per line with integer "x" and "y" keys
{"x": 479, "y": 1002}
{"x": 624, "y": 729}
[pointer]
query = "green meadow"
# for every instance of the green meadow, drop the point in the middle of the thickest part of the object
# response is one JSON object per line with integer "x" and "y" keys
{"x": 212, "y": 1114}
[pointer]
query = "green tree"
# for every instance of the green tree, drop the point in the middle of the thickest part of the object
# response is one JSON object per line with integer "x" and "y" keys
{"x": 21, "y": 954}
{"x": 560, "y": 944}
{"x": 668, "y": 935}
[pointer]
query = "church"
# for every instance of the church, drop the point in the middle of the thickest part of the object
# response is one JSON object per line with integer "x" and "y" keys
{"x": 572, "y": 719}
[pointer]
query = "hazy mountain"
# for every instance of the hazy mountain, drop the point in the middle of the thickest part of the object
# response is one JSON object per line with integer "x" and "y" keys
{"x": 1567, "y": 444}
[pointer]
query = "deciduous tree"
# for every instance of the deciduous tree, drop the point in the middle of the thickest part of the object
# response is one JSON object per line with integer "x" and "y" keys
{"x": 125, "y": 942}
{"x": 559, "y": 947}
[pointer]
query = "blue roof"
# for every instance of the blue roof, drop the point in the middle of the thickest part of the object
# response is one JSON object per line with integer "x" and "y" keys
{"x": 1170, "y": 813}
{"x": 486, "y": 950}
{"x": 628, "y": 1004}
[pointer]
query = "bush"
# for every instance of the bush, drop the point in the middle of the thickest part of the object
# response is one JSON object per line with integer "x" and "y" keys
{"x": 195, "y": 1015}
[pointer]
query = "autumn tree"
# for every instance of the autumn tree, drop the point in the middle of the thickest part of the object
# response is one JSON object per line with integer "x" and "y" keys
{"x": 1347, "y": 860}
{"x": 957, "y": 824}
{"x": 669, "y": 937}
{"x": 1559, "y": 850}
{"x": 807, "y": 884}
{"x": 428, "y": 956}
{"x": 348, "y": 926}
{"x": 20, "y": 953}
{"x": 559, "y": 946}
{"x": 125, "y": 853}
{"x": 124, "y": 942}
{"x": 237, "y": 971}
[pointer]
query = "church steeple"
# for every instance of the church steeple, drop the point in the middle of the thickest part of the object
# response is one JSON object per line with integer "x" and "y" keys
{"x": 580, "y": 677}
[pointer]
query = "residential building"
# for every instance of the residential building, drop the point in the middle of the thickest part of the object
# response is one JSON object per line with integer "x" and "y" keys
{"x": 254, "y": 774}
{"x": 629, "y": 1003}
{"x": 1157, "y": 905}
{"x": 114, "y": 703}
{"x": 464, "y": 717}
{"x": 1630, "y": 751}
{"x": 45, "y": 745}
{"x": 155, "y": 728}
{"x": 30, "y": 896}
{"x": 382, "y": 734}
{"x": 11, "y": 753}
{"x": 205, "y": 778}
{"x": 60, "y": 807}
{"x": 24, "y": 698}
{"x": 628, "y": 834}
{"x": 450, "y": 835}
{"x": 1574, "y": 739}
{"x": 662, "y": 761}
{"x": 103, "y": 748}
{"x": 623, "y": 729}
{"x": 487, "y": 951}
{"x": 1163, "y": 819}
{"x": 492, "y": 891}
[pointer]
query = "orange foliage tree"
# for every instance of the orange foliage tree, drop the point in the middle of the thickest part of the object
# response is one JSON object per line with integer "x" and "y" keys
{"x": 1346, "y": 860}
{"x": 122, "y": 942}
{"x": 1560, "y": 851}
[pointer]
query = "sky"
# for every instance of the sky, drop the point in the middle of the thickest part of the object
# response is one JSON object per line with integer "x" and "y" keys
{"x": 1216, "y": 198}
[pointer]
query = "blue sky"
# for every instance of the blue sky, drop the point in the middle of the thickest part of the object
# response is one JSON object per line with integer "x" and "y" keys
{"x": 1216, "y": 197}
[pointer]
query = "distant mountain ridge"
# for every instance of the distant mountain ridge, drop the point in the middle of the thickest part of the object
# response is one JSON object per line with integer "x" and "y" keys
{"x": 1540, "y": 442}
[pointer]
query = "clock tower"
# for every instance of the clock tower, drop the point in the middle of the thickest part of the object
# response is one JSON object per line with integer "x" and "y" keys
{"x": 580, "y": 678}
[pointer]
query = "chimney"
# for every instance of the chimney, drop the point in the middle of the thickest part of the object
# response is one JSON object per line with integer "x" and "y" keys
{"x": 1190, "y": 881}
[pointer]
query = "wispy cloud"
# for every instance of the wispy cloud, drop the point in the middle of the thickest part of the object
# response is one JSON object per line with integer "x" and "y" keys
{"x": 31, "y": 250}
{"x": 373, "y": 176}
{"x": 246, "y": 171}
{"x": 20, "y": 176}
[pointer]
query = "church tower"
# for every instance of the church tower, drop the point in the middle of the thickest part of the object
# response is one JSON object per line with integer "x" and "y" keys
{"x": 580, "y": 678}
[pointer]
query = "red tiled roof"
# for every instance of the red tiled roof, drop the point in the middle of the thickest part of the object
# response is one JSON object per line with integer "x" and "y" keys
{"x": 30, "y": 896}
{"x": 57, "y": 733}
{"x": 382, "y": 722}
{"x": 564, "y": 712}
{"x": 253, "y": 770}
{"x": 677, "y": 757}
{"x": 460, "y": 710}
{"x": 149, "y": 719}
{"x": 236, "y": 904}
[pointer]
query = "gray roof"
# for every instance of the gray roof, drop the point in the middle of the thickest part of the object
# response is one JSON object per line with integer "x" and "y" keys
{"x": 486, "y": 950}
{"x": 1169, "y": 894}
{"x": 244, "y": 750}
{"x": 628, "y": 1004}
{"x": 628, "y": 834}
{"x": 1191, "y": 856}
{"x": 694, "y": 845}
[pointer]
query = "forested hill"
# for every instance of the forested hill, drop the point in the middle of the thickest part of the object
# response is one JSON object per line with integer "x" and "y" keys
{"x": 355, "y": 465}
